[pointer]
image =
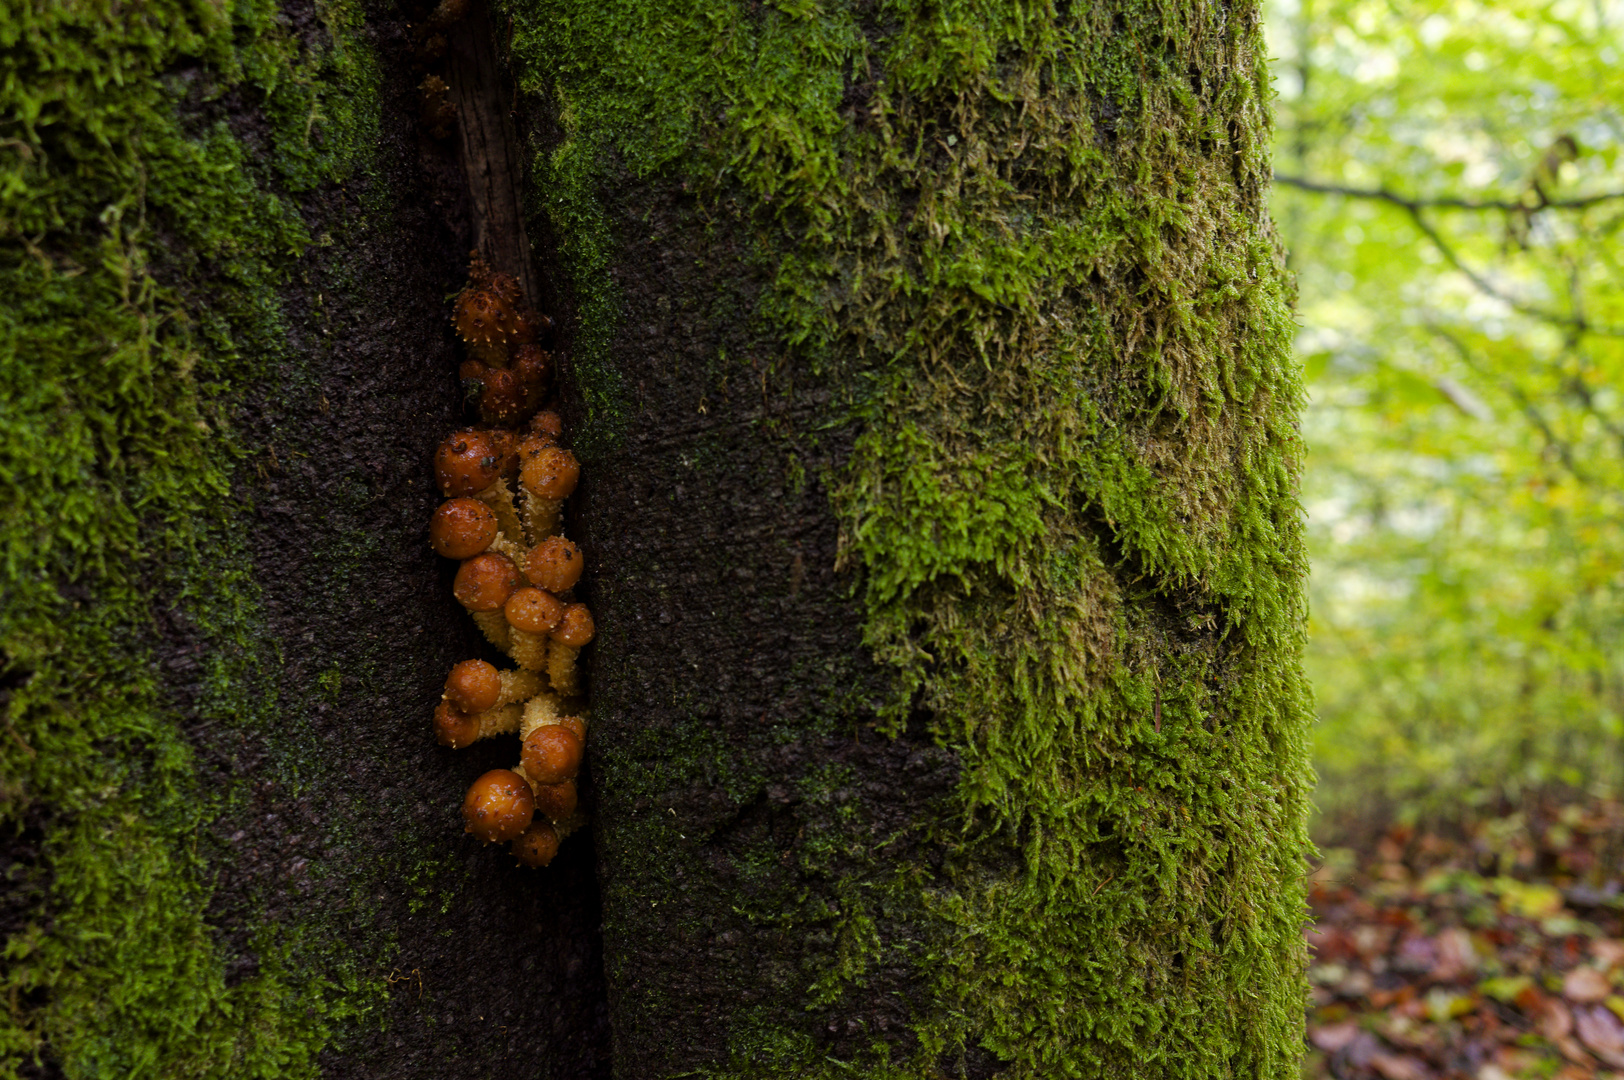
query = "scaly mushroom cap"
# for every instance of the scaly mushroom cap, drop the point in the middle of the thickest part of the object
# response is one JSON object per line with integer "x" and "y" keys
{"x": 467, "y": 462}
{"x": 462, "y": 528}
{"x": 502, "y": 397}
{"x": 537, "y": 846}
{"x": 555, "y": 802}
{"x": 534, "y": 611}
{"x": 531, "y": 365}
{"x": 498, "y": 806}
{"x": 547, "y": 425}
{"x": 552, "y": 754}
{"x": 575, "y": 628}
{"x": 481, "y": 318}
{"x": 505, "y": 287}
{"x": 484, "y": 582}
{"x": 506, "y": 444}
{"x": 473, "y": 686}
{"x": 555, "y": 564}
{"x": 453, "y": 727}
{"x": 528, "y": 325}
{"x": 550, "y": 474}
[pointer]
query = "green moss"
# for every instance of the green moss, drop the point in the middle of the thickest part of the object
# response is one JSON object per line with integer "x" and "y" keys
{"x": 141, "y": 247}
{"x": 1032, "y": 238}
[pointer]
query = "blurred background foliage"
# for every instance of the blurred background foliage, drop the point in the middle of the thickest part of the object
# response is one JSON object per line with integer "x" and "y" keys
{"x": 1451, "y": 192}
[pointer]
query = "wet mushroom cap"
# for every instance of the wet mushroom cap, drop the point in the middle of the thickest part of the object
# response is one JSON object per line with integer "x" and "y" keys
{"x": 555, "y": 564}
{"x": 530, "y": 365}
{"x": 453, "y": 727}
{"x": 533, "y": 610}
{"x": 528, "y": 326}
{"x": 502, "y": 398}
{"x": 473, "y": 686}
{"x": 555, "y": 802}
{"x": 537, "y": 845}
{"x": 547, "y": 424}
{"x": 552, "y": 754}
{"x": 466, "y": 463}
{"x": 499, "y": 806}
{"x": 462, "y": 528}
{"x": 481, "y": 317}
{"x": 551, "y": 474}
{"x": 484, "y": 582}
{"x": 575, "y": 628}
{"x": 575, "y": 724}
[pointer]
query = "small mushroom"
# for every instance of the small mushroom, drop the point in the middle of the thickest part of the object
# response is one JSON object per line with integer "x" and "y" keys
{"x": 474, "y": 686}
{"x": 484, "y": 321}
{"x": 484, "y": 582}
{"x": 502, "y": 397}
{"x": 556, "y": 802}
{"x": 531, "y": 614}
{"x": 552, "y": 754}
{"x": 462, "y": 528}
{"x": 555, "y": 564}
{"x": 537, "y": 845}
{"x": 466, "y": 463}
{"x": 547, "y": 425}
{"x": 574, "y": 630}
{"x": 498, "y": 806}
{"x": 547, "y": 476}
{"x": 453, "y": 727}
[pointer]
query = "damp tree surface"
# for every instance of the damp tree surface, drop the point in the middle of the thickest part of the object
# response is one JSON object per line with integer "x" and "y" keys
{"x": 928, "y": 370}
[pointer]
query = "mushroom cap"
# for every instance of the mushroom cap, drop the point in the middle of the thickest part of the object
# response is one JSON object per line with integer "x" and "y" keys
{"x": 502, "y": 397}
{"x": 454, "y": 727}
{"x": 552, "y": 754}
{"x": 481, "y": 317}
{"x": 555, "y": 564}
{"x": 575, "y": 724}
{"x": 550, "y": 474}
{"x": 575, "y": 627}
{"x": 537, "y": 845}
{"x": 462, "y": 528}
{"x": 473, "y": 686}
{"x": 467, "y": 462}
{"x": 531, "y": 364}
{"x": 555, "y": 802}
{"x": 498, "y": 806}
{"x": 548, "y": 425}
{"x": 528, "y": 325}
{"x": 484, "y": 582}
{"x": 505, "y": 287}
{"x": 533, "y": 610}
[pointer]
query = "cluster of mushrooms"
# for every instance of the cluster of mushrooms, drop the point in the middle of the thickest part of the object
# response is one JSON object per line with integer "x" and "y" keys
{"x": 505, "y": 483}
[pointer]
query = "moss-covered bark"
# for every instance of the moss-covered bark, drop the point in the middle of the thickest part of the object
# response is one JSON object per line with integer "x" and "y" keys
{"x": 933, "y": 379}
{"x": 230, "y": 847}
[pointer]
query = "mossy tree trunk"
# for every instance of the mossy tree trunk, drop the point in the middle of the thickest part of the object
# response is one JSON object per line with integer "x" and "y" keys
{"x": 929, "y": 368}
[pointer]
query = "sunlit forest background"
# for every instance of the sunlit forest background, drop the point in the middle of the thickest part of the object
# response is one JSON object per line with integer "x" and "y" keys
{"x": 1450, "y": 190}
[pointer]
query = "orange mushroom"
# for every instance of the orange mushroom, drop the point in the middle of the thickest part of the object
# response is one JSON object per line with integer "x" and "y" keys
{"x": 552, "y": 754}
{"x": 537, "y": 845}
{"x": 462, "y": 528}
{"x": 466, "y": 463}
{"x": 498, "y": 806}
{"x": 555, "y": 564}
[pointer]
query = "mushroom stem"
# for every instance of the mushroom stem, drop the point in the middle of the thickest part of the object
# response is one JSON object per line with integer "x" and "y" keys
{"x": 518, "y": 686}
{"x": 542, "y": 517}
{"x": 494, "y": 625}
{"x": 499, "y": 497}
{"x": 528, "y": 650}
{"x": 498, "y": 721}
{"x": 539, "y": 711}
{"x": 561, "y": 670}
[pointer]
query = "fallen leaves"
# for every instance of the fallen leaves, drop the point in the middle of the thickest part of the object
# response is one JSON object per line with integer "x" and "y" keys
{"x": 1435, "y": 961}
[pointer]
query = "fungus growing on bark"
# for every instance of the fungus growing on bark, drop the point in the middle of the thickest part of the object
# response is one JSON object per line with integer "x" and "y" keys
{"x": 547, "y": 474}
{"x": 483, "y": 320}
{"x": 498, "y": 806}
{"x": 537, "y": 845}
{"x": 574, "y": 630}
{"x": 556, "y": 802}
{"x": 502, "y": 396}
{"x": 466, "y": 463}
{"x": 552, "y": 754}
{"x": 547, "y": 425}
{"x": 528, "y": 326}
{"x": 474, "y": 686}
{"x": 485, "y": 582}
{"x": 462, "y": 528}
{"x": 555, "y": 564}
{"x": 453, "y": 727}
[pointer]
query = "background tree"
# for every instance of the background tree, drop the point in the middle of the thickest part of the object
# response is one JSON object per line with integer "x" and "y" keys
{"x": 1452, "y": 193}
{"x": 928, "y": 365}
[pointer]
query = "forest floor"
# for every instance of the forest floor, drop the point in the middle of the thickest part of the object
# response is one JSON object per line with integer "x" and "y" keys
{"x": 1493, "y": 952}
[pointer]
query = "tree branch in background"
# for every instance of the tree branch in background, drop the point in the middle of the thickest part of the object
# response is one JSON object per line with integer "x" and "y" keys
{"x": 1447, "y": 202}
{"x": 1414, "y": 208}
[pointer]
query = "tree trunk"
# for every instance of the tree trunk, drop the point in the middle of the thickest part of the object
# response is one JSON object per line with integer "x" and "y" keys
{"x": 929, "y": 368}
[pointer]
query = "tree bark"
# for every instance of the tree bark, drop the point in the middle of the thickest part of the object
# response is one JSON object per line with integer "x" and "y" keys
{"x": 929, "y": 370}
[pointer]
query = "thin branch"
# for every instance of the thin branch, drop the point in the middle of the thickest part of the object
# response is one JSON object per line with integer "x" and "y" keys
{"x": 1414, "y": 207}
{"x": 1445, "y": 202}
